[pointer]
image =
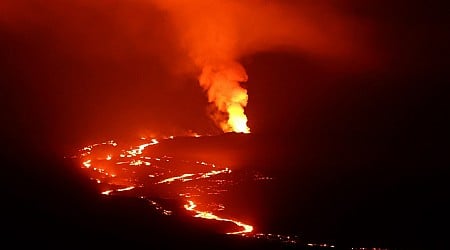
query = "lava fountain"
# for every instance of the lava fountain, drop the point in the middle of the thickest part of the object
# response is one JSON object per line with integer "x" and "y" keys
{"x": 222, "y": 85}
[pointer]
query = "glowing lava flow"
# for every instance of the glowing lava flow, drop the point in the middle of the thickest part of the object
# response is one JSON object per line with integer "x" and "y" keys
{"x": 133, "y": 171}
{"x": 125, "y": 189}
{"x": 107, "y": 192}
{"x": 210, "y": 216}
{"x": 140, "y": 148}
{"x": 169, "y": 180}
{"x": 130, "y": 168}
{"x": 202, "y": 176}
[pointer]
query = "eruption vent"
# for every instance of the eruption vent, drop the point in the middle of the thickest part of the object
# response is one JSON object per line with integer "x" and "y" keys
{"x": 221, "y": 83}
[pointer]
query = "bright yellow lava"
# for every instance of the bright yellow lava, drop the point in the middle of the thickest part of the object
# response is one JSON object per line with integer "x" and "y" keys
{"x": 237, "y": 119}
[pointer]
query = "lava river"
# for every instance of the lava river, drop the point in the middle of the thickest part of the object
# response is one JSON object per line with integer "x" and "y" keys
{"x": 134, "y": 171}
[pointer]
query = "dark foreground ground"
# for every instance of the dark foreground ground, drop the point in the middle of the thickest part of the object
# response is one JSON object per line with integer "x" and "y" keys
{"x": 332, "y": 193}
{"x": 49, "y": 203}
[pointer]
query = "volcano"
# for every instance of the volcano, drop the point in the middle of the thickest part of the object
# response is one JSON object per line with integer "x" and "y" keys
{"x": 318, "y": 124}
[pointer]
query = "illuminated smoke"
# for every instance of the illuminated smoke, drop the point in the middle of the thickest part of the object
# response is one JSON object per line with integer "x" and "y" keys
{"x": 208, "y": 34}
{"x": 207, "y": 38}
{"x": 222, "y": 85}
{"x": 216, "y": 34}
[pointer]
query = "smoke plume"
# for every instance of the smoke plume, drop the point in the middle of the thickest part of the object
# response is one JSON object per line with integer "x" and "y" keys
{"x": 215, "y": 34}
{"x": 71, "y": 63}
